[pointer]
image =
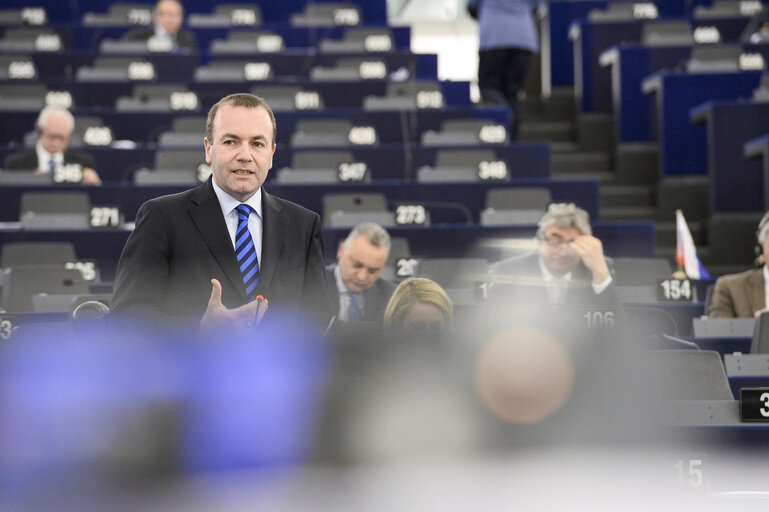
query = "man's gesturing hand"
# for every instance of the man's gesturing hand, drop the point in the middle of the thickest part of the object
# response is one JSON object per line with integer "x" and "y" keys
{"x": 219, "y": 318}
{"x": 590, "y": 250}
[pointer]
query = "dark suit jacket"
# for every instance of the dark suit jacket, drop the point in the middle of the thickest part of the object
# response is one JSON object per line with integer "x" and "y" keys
{"x": 27, "y": 160}
{"x": 375, "y": 299}
{"x": 530, "y": 288}
{"x": 738, "y": 295}
{"x": 181, "y": 242}
{"x": 184, "y": 38}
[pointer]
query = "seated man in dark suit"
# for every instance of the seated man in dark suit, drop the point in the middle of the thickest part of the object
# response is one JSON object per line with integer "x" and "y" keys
{"x": 743, "y": 295}
{"x": 202, "y": 258}
{"x": 354, "y": 283}
{"x": 167, "y": 18}
{"x": 54, "y": 127}
{"x": 568, "y": 267}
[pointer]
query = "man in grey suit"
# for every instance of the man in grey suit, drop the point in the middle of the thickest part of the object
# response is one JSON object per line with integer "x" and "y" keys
{"x": 743, "y": 295}
{"x": 568, "y": 268}
{"x": 179, "y": 267}
{"x": 354, "y": 283}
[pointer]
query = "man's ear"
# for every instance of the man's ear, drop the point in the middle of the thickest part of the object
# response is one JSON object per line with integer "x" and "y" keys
{"x": 340, "y": 251}
{"x": 207, "y": 147}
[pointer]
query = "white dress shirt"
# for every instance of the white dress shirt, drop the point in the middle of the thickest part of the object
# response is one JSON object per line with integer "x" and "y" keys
{"x": 44, "y": 159}
{"x": 557, "y": 293}
{"x": 344, "y": 297}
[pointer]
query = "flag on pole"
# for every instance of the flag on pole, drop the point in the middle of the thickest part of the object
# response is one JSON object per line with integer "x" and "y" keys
{"x": 686, "y": 253}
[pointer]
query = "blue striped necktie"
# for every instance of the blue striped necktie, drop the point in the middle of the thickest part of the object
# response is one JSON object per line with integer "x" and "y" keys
{"x": 246, "y": 252}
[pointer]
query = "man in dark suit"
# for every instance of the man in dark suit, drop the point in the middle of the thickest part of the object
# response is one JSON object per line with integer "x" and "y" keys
{"x": 354, "y": 283}
{"x": 567, "y": 269}
{"x": 54, "y": 127}
{"x": 180, "y": 265}
{"x": 743, "y": 295}
{"x": 167, "y": 18}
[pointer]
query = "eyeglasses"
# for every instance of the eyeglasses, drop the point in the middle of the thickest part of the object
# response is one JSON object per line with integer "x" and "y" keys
{"x": 556, "y": 242}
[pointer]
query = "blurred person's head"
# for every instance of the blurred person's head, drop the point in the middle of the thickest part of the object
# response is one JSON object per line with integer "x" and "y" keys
{"x": 561, "y": 224}
{"x": 362, "y": 256}
{"x": 54, "y": 126}
{"x": 524, "y": 375}
{"x": 419, "y": 304}
{"x": 239, "y": 143}
{"x": 168, "y": 15}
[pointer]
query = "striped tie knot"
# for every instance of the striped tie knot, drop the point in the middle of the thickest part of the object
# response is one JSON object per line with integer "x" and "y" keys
{"x": 245, "y": 252}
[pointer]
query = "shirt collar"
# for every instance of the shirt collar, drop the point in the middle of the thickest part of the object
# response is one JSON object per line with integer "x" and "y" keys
{"x": 340, "y": 287}
{"x": 228, "y": 203}
{"x": 548, "y": 276}
{"x": 160, "y": 32}
{"x": 44, "y": 156}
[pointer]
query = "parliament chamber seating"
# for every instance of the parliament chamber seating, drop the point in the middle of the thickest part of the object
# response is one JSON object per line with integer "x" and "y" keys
{"x": 355, "y": 143}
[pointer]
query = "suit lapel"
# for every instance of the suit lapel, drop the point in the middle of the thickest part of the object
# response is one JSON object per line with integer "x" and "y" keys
{"x": 274, "y": 225}
{"x": 206, "y": 213}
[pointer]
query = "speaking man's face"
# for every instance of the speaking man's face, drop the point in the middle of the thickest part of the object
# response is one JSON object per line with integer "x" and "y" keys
{"x": 241, "y": 151}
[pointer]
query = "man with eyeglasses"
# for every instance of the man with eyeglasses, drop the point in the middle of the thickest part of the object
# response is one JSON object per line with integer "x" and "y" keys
{"x": 568, "y": 267}
{"x": 54, "y": 128}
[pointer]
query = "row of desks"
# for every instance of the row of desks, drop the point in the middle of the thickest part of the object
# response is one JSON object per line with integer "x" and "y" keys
{"x": 390, "y": 127}
{"x": 66, "y": 12}
{"x": 437, "y": 241}
{"x": 463, "y": 202}
{"x": 180, "y": 66}
{"x": 389, "y": 162}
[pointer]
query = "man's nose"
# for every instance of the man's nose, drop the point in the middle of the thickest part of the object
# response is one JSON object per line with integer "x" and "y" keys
{"x": 244, "y": 153}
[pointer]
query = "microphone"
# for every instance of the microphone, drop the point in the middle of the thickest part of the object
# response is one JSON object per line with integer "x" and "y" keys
{"x": 259, "y": 299}
{"x": 90, "y": 310}
{"x": 680, "y": 341}
{"x": 88, "y": 316}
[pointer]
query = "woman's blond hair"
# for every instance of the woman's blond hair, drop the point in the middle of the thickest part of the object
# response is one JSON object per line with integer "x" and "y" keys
{"x": 412, "y": 291}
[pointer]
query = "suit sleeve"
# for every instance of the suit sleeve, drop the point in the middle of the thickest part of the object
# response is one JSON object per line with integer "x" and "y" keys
{"x": 20, "y": 162}
{"x": 84, "y": 159}
{"x": 143, "y": 270}
{"x": 721, "y": 304}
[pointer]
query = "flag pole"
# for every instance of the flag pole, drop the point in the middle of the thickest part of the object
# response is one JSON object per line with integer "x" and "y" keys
{"x": 679, "y": 273}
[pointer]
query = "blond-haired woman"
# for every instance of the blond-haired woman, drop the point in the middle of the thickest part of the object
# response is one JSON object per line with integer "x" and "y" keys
{"x": 419, "y": 304}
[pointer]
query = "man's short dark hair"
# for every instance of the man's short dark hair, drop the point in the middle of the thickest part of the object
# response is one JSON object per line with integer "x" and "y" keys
{"x": 239, "y": 100}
